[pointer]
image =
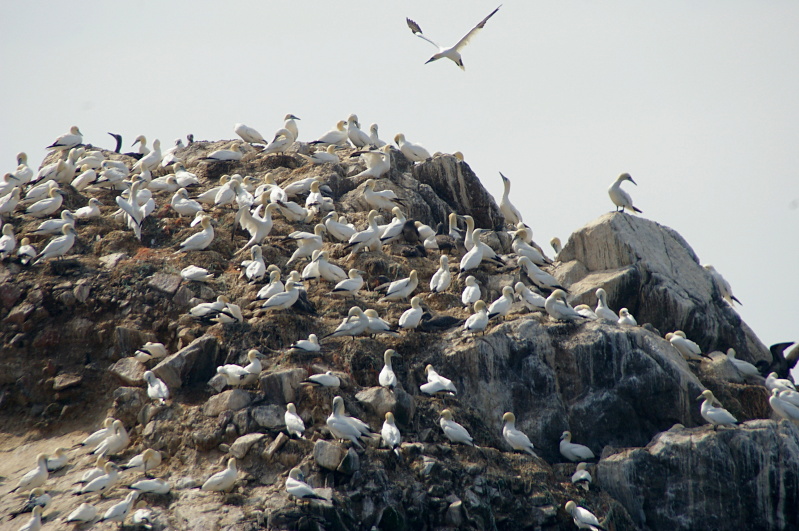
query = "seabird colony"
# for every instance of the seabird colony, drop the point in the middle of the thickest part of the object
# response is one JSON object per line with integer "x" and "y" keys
{"x": 334, "y": 255}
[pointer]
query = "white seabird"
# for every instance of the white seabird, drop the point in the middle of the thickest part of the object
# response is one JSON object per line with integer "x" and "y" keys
{"x": 282, "y": 140}
{"x": 142, "y": 516}
{"x": 195, "y": 273}
{"x": 714, "y": 415}
{"x": 522, "y": 248}
{"x": 294, "y": 423}
{"x": 38, "y": 497}
{"x": 151, "y": 160}
{"x": 411, "y": 317}
{"x": 144, "y": 462}
{"x": 387, "y": 377}
{"x": 47, "y": 206}
{"x": 401, "y": 289}
{"x": 335, "y": 136}
{"x": 326, "y": 379}
{"x": 8, "y": 242}
{"x": 274, "y": 286}
{"x": 150, "y": 350}
{"x": 255, "y": 268}
{"x": 234, "y": 153}
{"x": 284, "y": 300}
{"x": 98, "y": 436}
{"x": 373, "y": 136}
{"x": 377, "y": 161}
{"x": 722, "y": 284}
{"x": 367, "y": 237}
{"x": 687, "y": 348}
{"x": 442, "y": 278}
{"x": 119, "y": 511}
{"x": 184, "y": 206}
{"x": 35, "y": 521}
{"x": 582, "y": 476}
{"x": 248, "y": 134}
{"x": 200, "y": 240}
{"x": 156, "y": 486}
{"x": 258, "y": 226}
{"x": 355, "y": 324}
{"x": 478, "y": 321}
{"x": 390, "y": 433}
{"x": 540, "y": 278}
{"x": 619, "y": 197}
{"x": 583, "y": 518}
{"x": 393, "y": 230}
{"x": 377, "y": 325}
{"x": 328, "y": 270}
{"x": 58, "y": 246}
{"x": 9, "y": 202}
{"x": 117, "y": 441}
{"x": 57, "y": 461}
{"x": 340, "y": 426}
{"x": 573, "y": 451}
{"x": 350, "y": 286}
{"x": 413, "y": 152}
{"x": 773, "y": 382}
{"x": 558, "y": 307}
{"x": 358, "y": 138}
{"x": 783, "y": 408}
{"x": 383, "y": 199}
{"x": 236, "y": 375}
{"x": 34, "y": 478}
{"x": 307, "y": 346}
{"x": 453, "y": 52}
{"x": 223, "y": 480}
{"x": 206, "y": 310}
{"x": 471, "y": 292}
{"x": 92, "y": 210}
{"x": 626, "y": 318}
{"x": 603, "y": 311}
{"x": 297, "y": 488}
{"x": 156, "y": 388}
{"x": 510, "y": 212}
{"x": 436, "y": 383}
{"x": 586, "y": 311}
{"x": 93, "y": 473}
{"x": 341, "y": 231}
{"x": 53, "y": 226}
{"x": 454, "y": 431}
{"x": 83, "y": 514}
{"x": 744, "y": 367}
{"x": 25, "y": 252}
{"x": 529, "y": 298}
{"x": 515, "y": 438}
{"x": 67, "y": 140}
{"x": 102, "y": 483}
{"x": 502, "y": 305}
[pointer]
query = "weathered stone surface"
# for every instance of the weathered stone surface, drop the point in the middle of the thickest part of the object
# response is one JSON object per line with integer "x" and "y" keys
{"x": 65, "y": 381}
{"x": 242, "y": 445}
{"x": 230, "y": 400}
{"x": 165, "y": 283}
{"x": 19, "y": 313}
{"x": 281, "y": 386}
{"x": 127, "y": 340}
{"x": 129, "y": 371}
{"x": 350, "y": 463}
{"x": 270, "y": 417}
{"x": 276, "y": 445}
{"x": 328, "y": 455}
{"x": 379, "y": 401}
{"x": 9, "y": 294}
{"x": 128, "y": 402}
{"x": 182, "y": 296}
{"x": 82, "y": 290}
{"x": 191, "y": 364}
{"x": 110, "y": 261}
{"x": 701, "y": 476}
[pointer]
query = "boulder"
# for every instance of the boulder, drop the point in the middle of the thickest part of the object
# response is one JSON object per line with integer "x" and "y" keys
{"x": 129, "y": 371}
{"x": 281, "y": 386}
{"x": 242, "y": 445}
{"x": 270, "y": 417}
{"x": 230, "y": 400}
{"x": 379, "y": 401}
{"x": 192, "y": 364}
{"x": 328, "y": 455}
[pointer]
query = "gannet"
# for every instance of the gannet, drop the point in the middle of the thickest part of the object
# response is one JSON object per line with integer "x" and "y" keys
{"x": 373, "y": 136}
{"x": 234, "y": 153}
{"x": 102, "y": 483}
{"x": 342, "y": 426}
{"x": 366, "y": 237}
{"x": 144, "y": 462}
{"x": 387, "y": 377}
{"x": 34, "y": 478}
{"x": 411, "y": 317}
{"x": 540, "y": 278}
{"x": 478, "y": 321}
{"x": 712, "y": 414}
{"x": 454, "y": 431}
{"x": 307, "y": 242}
{"x": 222, "y": 481}
{"x": 326, "y": 379}
{"x": 582, "y": 476}
{"x": 556, "y": 245}
{"x": 259, "y": 227}
{"x": 687, "y": 348}
{"x": 157, "y": 486}
{"x": 358, "y": 138}
{"x": 558, "y": 307}
{"x": 772, "y": 382}
{"x": 151, "y": 160}
{"x": 436, "y": 383}
{"x": 58, "y": 247}
{"x": 353, "y": 325}
{"x": 8, "y": 242}
{"x": 167, "y": 183}
{"x": 95, "y": 472}
{"x": 206, "y": 310}
{"x": 255, "y": 268}
{"x": 142, "y": 516}
{"x": 25, "y": 252}
{"x": 291, "y": 125}
{"x": 583, "y": 518}
{"x": 335, "y": 136}
{"x": 722, "y": 284}
{"x": 184, "y": 177}
{"x": 53, "y": 226}
{"x": 378, "y": 162}
{"x": 782, "y": 407}
{"x": 84, "y": 179}
{"x": 117, "y": 441}
{"x": 83, "y": 514}
{"x": 502, "y": 305}
{"x": 294, "y": 212}
{"x": 790, "y": 396}
{"x": 573, "y": 451}
{"x": 453, "y": 52}
{"x": 294, "y": 423}
{"x": 384, "y": 199}
{"x": 306, "y": 346}
{"x": 315, "y": 197}
{"x": 471, "y": 292}
{"x": 47, "y": 206}
{"x": 603, "y": 311}
{"x": 35, "y": 521}
{"x": 170, "y": 155}
{"x": 586, "y": 311}
{"x": 119, "y": 511}
{"x": 297, "y": 488}
{"x": 442, "y": 278}
{"x": 248, "y": 134}
{"x": 198, "y": 274}
{"x": 200, "y": 240}
{"x": 274, "y": 286}
{"x": 38, "y": 497}
{"x": 98, "y": 436}
{"x": 390, "y": 433}
{"x": 329, "y": 271}
{"x": 401, "y": 289}
{"x": 236, "y": 375}
{"x": 150, "y": 350}
{"x": 23, "y": 173}
{"x": 350, "y": 286}
{"x": 413, "y": 152}
{"x": 57, "y": 461}
{"x": 92, "y": 210}
{"x": 282, "y": 140}
{"x": 393, "y": 230}
{"x": 8, "y": 184}
{"x": 515, "y": 438}
{"x": 325, "y": 156}
{"x": 68, "y": 140}
{"x": 377, "y": 325}
{"x": 522, "y": 248}
{"x": 156, "y": 388}
{"x": 467, "y": 235}
{"x": 626, "y": 318}
{"x": 143, "y": 149}
{"x": 619, "y": 197}
{"x": 510, "y": 212}
{"x": 134, "y": 209}
{"x": 532, "y": 300}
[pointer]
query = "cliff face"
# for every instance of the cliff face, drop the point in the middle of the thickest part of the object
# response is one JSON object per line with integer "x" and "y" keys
{"x": 69, "y": 328}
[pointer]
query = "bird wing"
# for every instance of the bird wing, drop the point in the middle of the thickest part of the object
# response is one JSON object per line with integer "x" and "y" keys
{"x": 418, "y": 31}
{"x": 466, "y": 38}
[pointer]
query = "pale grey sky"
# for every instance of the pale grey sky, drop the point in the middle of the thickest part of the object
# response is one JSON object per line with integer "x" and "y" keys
{"x": 698, "y": 101}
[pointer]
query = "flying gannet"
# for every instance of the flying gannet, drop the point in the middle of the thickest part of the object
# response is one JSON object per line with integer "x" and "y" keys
{"x": 453, "y": 52}
{"x": 619, "y": 197}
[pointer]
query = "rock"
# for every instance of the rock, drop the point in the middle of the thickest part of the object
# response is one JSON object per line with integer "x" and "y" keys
{"x": 82, "y": 290}
{"x": 218, "y": 383}
{"x": 129, "y": 371}
{"x": 379, "y": 401}
{"x": 666, "y": 469}
{"x": 231, "y": 400}
{"x": 165, "y": 283}
{"x": 270, "y": 417}
{"x": 110, "y": 261}
{"x": 328, "y": 455}
{"x": 186, "y": 483}
{"x": 19, "y": 313}
{"x": 65, "y": 381}
{"x": 276, "y": 445}
{"x": 280, "y": 386}
{"x": 128, "y": 340}
{"x": 192, "y": 364}
{"x": 454, "y": 515}
{"x": 182, "y": 297}
{"x": 242, "y": 445}
{"x": 9, "y": 294}
{"x": 350, "y": 464}
{"x": 128, "y": 402}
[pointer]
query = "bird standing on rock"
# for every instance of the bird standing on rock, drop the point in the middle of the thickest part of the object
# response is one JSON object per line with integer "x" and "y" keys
{"x": 619, "y": 197}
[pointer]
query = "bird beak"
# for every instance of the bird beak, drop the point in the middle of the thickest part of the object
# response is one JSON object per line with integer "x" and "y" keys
{"x": 700, "y": 397}
{"x": 429, "y": 61}
{"x": 635, "y": 183}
